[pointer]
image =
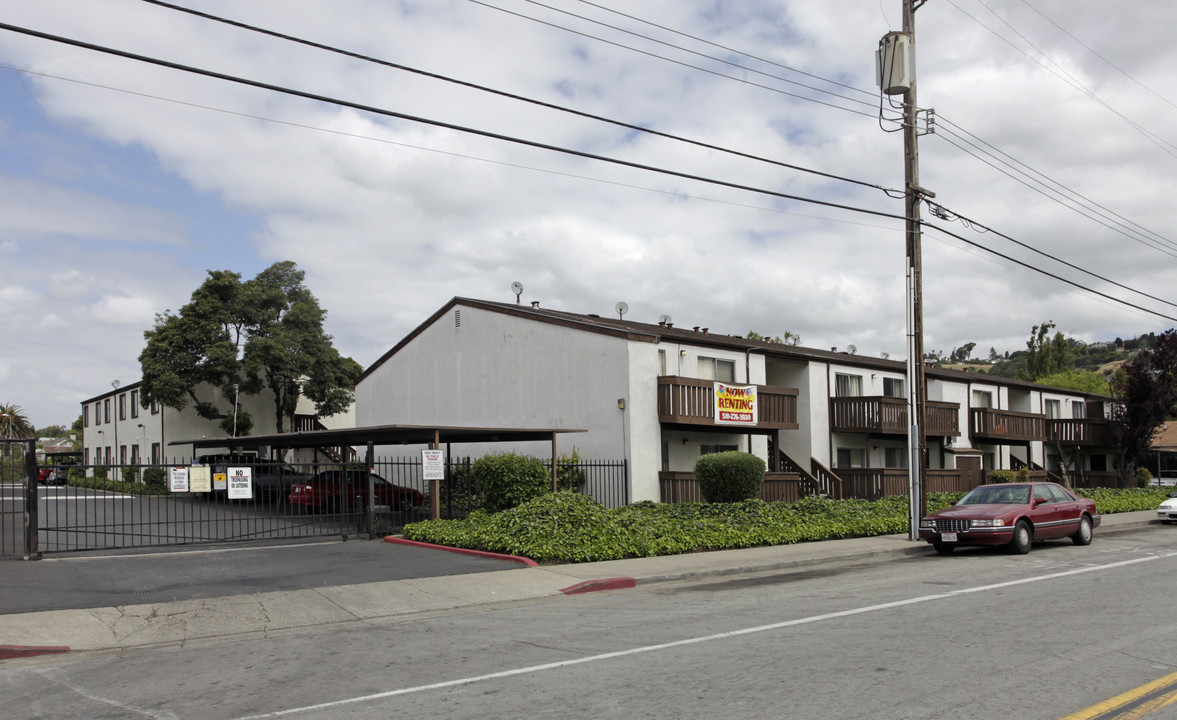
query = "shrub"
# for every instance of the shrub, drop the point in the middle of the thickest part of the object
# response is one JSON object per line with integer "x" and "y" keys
{"x": 729, "y": 476}
{"x": 130, "y": 474}
{"x": 507, "y": 480}
{"x": 1003, "y": 476}
{"x": 1143, "y": 477}
{"x": 569, "y": 475}
{"x": 155, "y": 478}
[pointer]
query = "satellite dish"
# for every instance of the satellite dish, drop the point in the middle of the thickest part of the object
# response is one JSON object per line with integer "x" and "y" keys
{"x": 622, "y": 308}
{"x": 851, "y": 349}
{"x": 664, "y": 319}
{"x": 517, "y": 288}
{"x": 886, "y": 355}
{"x": 795, "y": 340}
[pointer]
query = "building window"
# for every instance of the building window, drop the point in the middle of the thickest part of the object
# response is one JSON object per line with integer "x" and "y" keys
{"x": 122, "y": 454}
{"x": 847, "y": 385}
{"x": 155, "y": 453}
{"x": 1078, "y": 409}
{"x": 106, "y": 410}
{"x": 661, "y": 363}
{"x": 1053, "y": 408}
{"x": 718, "y": 370}
{"x": 709, "y": 449}
{"x": 135, "y": 454}
{"x": 851, "y": 458}
{"x": 85, "y": 416}
{"x": 107, "y": 455}
{"x": 982, "y": 399}
{"x": 154, "y": 408}
{"x": 123, "y": 406}
{"x": 895, "y": 457}
{"x": 86, "y": 459}
{"x": 97, "y": 413}
{"x": 893, "y": 387}
{"x": 134, "y": 403}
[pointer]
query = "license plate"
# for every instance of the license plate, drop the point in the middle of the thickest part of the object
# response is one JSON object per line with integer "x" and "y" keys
{"x": 947, "y": 537}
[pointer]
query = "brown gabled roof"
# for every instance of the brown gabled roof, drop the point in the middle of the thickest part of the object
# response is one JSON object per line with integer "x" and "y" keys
{"x": 660, "y": 332}
{"x": 1165, "y": 437}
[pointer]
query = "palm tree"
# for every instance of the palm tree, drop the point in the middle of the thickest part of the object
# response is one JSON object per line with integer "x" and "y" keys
{"x": 14, "y": 424}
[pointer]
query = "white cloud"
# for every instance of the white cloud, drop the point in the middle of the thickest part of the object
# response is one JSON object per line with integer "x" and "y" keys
{"x": 118, "y": 203}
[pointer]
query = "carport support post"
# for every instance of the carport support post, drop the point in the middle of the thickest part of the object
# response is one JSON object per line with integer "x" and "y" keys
{"x": 555, "y": 487}
{"x": 435, "y": 484}
{"x": 370, "y": 463}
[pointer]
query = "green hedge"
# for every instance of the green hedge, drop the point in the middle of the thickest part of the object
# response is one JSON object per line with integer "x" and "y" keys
{"x": 728, "y": 477}
{"x": 567, "y": 527}
{"x": 507, "y": 479}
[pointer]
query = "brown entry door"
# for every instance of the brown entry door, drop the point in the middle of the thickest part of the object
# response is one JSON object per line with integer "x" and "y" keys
{"x": 971, "y": 467}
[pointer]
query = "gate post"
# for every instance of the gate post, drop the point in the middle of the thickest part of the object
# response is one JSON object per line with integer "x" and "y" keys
{"x": 32, "y": 547}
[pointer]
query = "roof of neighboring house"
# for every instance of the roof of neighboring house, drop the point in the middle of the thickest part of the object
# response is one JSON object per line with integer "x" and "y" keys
{"x": 698, "y": 335}
{"x": 1165, "y": 437}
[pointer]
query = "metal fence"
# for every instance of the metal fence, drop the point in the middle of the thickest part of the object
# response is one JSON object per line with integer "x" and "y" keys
{"x": 99, "y": 507}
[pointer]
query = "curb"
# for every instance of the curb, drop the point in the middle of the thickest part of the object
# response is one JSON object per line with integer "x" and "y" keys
{"x": 619, "y": 583}
{"x": 463, "y": 551}
{"x": 7, "y": 652}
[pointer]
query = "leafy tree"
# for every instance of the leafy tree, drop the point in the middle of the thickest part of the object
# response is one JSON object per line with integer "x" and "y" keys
{"x": 993, "y": 356}
{"x": 14, "y": 423}
{"x": 241, "y": 337}
{"x": 963, "y": 353}
{"x": 1081, "y": 380}
{"x": 1045, "y": 354}
{"x": 1146, "y": 395}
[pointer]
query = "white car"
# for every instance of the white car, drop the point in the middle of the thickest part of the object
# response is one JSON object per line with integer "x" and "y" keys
{"x": 1167, "y": 512}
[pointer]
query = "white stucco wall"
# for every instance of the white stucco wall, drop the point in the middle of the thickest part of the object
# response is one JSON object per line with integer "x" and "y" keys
{"x": 487, "y": 369}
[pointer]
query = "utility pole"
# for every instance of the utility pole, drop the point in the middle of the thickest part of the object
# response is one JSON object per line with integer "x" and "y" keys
{"x": 897, "y": 76}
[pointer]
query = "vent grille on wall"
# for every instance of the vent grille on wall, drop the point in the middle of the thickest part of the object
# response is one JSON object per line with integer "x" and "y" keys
{"x": 457, "y": 318}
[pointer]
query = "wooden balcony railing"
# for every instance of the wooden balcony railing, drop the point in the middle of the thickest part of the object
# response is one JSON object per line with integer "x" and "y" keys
{"x": 888, "y": 416}
{"x": 1006, "y": 426}
{"x": 690, "y": 401}
{"x": 1079, "y": 431}
{"x": 682, "y": 487}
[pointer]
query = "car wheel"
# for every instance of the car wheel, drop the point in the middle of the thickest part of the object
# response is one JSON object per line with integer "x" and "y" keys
{"x": 1083, "y": 535}
{"x": 1022, "y": 538}
{"x": 944, "y": 548}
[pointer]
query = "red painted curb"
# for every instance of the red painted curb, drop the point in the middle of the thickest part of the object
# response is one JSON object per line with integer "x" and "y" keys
{"x": 8, "y": 652}
{"x": 594, "y": 585}
{"x": 476, "y": 553}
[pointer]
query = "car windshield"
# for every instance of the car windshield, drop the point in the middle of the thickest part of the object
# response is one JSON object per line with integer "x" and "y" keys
{"x": 997, "y": 494}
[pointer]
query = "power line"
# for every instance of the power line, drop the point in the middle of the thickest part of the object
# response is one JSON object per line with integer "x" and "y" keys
{"x": 529, "y": 143}
{"x": 511, "y": 96}
{"x": 428, "y": 121}
{"x": 680, "y": 62}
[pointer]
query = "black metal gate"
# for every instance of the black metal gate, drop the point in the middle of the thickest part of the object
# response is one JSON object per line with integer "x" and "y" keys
{"x": 18, "y": 478}
{"x": 71, "y": 507}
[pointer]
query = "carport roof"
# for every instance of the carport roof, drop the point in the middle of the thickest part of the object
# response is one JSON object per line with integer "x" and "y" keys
{"x": 379, "y": 435}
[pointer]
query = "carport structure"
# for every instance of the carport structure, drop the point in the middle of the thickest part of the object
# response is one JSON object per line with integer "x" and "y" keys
{"x": 433, "y": 436}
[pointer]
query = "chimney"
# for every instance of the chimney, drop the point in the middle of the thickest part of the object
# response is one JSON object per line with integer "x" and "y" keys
{"x": 705, "y": 330}
{"x": 833, "y": 349}
{"x": 696, "y": 328}
{"x": 535, "y": 304}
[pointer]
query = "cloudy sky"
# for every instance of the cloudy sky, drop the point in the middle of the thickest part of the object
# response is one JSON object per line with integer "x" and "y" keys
{"x": 122, "y": 183}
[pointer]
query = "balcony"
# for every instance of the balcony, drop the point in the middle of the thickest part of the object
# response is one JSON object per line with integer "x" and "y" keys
{"x": 888, "y": 416}
{"x": 690, "y": 401}
{"x": 1006, "y": 427}
{"x": 1095, "y": 432}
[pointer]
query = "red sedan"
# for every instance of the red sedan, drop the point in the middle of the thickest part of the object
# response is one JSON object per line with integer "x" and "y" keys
{"x": 1013, "y": 514}
{"x": 337, "y": 491}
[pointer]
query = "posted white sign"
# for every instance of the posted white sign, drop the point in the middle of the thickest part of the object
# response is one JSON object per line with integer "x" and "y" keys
{"x": 199, "y": 478}
{"x": 433, "y": 464}
{"x": 179, "y": 480}
{"x": 240, "y": 483}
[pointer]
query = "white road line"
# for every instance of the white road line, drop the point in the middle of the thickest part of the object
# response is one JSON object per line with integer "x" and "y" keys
{"x": 702, "y": 639}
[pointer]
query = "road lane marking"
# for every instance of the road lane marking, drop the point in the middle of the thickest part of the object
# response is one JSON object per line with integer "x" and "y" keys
{"x": 1133, "y": 704}
{"x": 701, "y": 639}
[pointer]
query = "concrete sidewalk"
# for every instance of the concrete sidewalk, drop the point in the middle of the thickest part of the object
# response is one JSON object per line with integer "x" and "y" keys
{"x": 265, "y": 614}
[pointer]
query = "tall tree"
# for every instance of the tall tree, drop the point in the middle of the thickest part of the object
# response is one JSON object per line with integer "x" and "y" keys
{"x": 1046, "y": 355}
{"x": 241, "y": 337}
{"x": 1146, "y": 395}
{"x": 14, "y": 423}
